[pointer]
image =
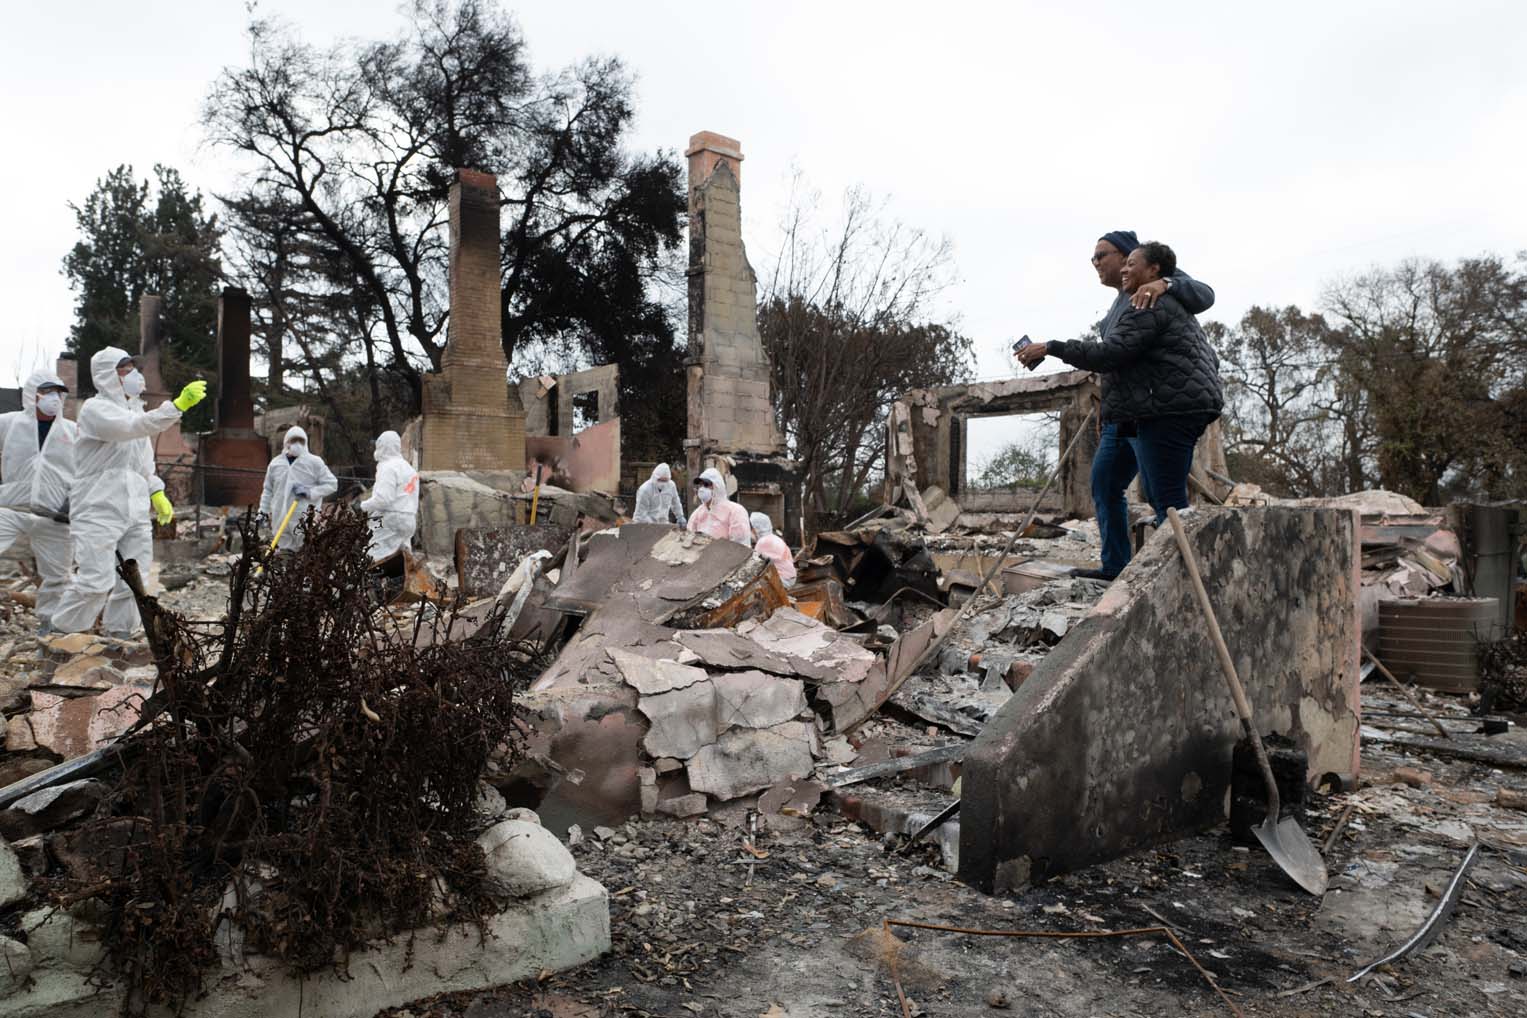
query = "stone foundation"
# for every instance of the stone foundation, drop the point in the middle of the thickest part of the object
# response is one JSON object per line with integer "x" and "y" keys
{"x": 557, "y": 930}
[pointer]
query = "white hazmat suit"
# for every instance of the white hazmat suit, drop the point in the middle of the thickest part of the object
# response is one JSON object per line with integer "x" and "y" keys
{"x": 305, "y": 479}
{"x": 109, "y": 508}
{"x": 657, "y": 500}
{"x": 34, "y": 487}
{"x": 394, "y": 503}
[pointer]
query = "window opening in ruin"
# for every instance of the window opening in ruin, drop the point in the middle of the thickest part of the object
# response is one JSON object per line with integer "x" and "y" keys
{"x": 1004, "y": 452}
{"x": 585, "y": 410}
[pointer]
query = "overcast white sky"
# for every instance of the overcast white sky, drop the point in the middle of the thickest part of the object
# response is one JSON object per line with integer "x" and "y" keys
{"x": 1274, "y": 146}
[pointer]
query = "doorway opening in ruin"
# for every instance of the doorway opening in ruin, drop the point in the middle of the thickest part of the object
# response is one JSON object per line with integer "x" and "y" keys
{"x": 1008, "y": 452}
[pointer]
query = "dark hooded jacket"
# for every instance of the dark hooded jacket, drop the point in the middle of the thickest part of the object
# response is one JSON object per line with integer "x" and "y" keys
{"x": 1154, "y": 362}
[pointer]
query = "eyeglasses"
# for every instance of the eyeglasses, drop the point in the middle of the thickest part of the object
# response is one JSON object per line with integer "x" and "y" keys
{"x": 1096, "y": 257}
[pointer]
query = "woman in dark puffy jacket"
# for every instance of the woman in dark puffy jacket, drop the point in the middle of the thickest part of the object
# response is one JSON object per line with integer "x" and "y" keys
{"x": 1160, "y": 378}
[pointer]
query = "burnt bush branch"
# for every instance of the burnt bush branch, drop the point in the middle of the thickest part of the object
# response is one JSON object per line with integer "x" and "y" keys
{"x": 305, "y": 777}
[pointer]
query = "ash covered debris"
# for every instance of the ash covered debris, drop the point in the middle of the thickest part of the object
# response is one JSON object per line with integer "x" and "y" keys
{"x": 302, "y": 778}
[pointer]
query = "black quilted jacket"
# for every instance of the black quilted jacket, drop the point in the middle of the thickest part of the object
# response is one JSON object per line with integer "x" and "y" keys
{"x": 1156, "y": 362}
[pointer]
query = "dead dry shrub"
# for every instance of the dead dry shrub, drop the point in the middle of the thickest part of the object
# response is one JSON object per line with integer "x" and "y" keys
{"x": 304, "y": 775}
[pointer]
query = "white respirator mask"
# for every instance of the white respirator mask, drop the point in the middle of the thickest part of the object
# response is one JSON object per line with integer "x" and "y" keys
{"x": 296, "y": 449}
{"x": 705, "y": 495}
{"x": 50, "y": 403}
{"x": 133, "y": 383}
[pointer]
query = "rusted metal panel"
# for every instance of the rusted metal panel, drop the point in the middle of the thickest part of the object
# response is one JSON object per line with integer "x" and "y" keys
{"x": 751, "y": 598}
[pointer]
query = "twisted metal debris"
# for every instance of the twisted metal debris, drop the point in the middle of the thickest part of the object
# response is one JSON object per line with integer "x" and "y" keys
{"x": 302, "y": 779}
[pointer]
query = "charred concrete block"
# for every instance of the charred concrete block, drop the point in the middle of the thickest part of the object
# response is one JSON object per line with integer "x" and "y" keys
{"x": 1123, "y": 735}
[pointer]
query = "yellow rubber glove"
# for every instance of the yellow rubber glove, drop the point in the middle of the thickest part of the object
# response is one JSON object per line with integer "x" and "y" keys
{"x": 163, "y": 511}
{"x": 192, "y": 394}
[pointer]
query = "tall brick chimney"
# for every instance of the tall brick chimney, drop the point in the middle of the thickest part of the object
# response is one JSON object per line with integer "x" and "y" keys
{"x": 233, "y": 458}
{"x": 728, "y": 370}
{"x": 235, "y": 402}
{"x": 473, "y": 419}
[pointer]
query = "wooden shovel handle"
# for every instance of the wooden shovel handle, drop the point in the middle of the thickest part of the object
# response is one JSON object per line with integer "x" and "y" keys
{"x": 1237, "y": 691}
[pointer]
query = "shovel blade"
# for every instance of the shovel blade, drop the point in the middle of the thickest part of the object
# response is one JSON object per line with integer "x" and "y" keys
{"x": 1290, "y": 848}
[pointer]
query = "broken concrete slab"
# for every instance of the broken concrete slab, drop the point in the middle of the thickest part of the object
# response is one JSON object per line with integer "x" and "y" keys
{"x": 801, "y": 638}
{"x": 756, "y": 700}
{"x": 682, "y": 721}
{"x": 1122, "y": 736}
{"x": 92, "y": 672}
{"x": 585, "y": 659}
{"x": 743, "y": 761}
{"x": 651, "y": 676}
{"x": 725, "y": 649}
{"x": 681, "y": 806}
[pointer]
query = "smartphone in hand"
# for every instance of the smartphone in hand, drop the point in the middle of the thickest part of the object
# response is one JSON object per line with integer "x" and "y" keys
{"x": 1022, "y": 342}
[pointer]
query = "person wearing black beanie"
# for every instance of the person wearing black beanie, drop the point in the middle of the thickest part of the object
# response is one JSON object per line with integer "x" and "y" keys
{"x": 1119, "y": 456}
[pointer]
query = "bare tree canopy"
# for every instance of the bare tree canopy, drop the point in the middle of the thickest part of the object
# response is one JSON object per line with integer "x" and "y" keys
{"x": 1414, "y": 379}
{"x": 353, "y": 149}
{"x": 848, "y": 316}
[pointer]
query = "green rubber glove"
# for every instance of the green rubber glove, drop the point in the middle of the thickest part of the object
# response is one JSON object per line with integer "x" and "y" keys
{"x": 192, "y": 394}
{"x": 163, "y": 511}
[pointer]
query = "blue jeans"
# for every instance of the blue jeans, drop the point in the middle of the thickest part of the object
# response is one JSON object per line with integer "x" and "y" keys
{"x": 1114, "y": 465}
{"x": 1164, "y": 447}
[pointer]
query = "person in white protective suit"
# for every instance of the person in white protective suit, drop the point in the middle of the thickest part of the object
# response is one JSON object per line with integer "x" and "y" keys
{"x": 295, "y": 475}
{"x": 717, "y": 515}
{"x": 36, "y": 468}
{"x": 773, "y": 547}
{"x": 657, "y": 500}
{"x": 115, "y": 493}
{"x": 394, "y": 503}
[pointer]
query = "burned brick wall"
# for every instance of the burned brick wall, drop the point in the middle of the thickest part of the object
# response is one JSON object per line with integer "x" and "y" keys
{"x": 472, "y": 416}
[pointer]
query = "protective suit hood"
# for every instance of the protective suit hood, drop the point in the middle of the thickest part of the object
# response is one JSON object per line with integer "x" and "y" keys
{"x": 293, "y": 432}
{"x": 717, "y": 487}
{"x": 388, "y": 445}
{"x": 761, "y": 524}
{"x": 661, "y": 473}
{"x": 103, "y": 372}
{"x": 36, "y": 380}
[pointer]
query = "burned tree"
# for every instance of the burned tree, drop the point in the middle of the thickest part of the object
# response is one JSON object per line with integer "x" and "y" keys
{"x": 356, "y": 147}
{"x": 303, "y": 777}
{"x": 849, "y": 318}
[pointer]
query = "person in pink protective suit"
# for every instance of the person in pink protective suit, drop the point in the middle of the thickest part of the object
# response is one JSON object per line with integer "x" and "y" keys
{"x": 769, "y": 544}
{"x": 717, "y": 515}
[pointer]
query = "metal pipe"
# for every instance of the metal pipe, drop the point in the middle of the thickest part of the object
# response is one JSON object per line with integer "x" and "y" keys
{"x": 1434, "y": 922}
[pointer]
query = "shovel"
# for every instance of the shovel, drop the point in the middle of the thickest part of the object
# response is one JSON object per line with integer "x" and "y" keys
{"x": 1284, "y": 840}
